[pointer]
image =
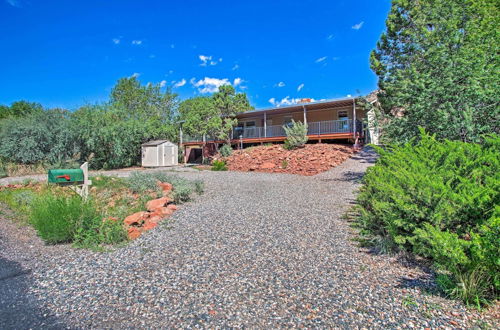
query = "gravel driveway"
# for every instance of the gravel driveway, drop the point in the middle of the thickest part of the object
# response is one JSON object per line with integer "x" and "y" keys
{"x": 256, "y": 250}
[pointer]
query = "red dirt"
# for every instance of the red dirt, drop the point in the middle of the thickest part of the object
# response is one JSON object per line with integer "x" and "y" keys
{"x": 308, "y": 160}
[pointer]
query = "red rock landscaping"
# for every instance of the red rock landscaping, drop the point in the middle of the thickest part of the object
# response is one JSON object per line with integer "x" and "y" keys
{"x": 157, "y": 210}
{"x": 308, "y": 160}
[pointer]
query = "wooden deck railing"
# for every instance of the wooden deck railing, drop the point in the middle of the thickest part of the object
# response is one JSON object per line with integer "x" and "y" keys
{"x": 313, "y": 128}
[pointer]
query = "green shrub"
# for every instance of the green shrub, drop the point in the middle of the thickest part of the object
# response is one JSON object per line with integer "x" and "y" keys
{"x": 226, "y": 150}
{"x": 183, "y": 189}
{"x": 438, "y": 199}
{"x": 296, "y": 135}
{"x": 18, "y": 200}
{"x": 69, "y": 219}
{"x": 45, "y": 136}
{"x": 219, "y": 165}
{"x": 56, "y": 218}
{"x": 3, "y": 170}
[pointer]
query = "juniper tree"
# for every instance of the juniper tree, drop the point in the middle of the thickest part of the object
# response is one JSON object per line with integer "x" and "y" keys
{"x": 438, "y": 65}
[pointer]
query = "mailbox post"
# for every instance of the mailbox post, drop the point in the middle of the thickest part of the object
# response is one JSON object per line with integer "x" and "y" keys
{"x": 76, "y": 179}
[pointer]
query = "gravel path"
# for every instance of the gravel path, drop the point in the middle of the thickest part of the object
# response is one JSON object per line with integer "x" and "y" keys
{"x": 256, "y": 250}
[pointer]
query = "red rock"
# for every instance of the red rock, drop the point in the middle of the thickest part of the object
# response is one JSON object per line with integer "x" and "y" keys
{"x": 267, "y": 166}
{"x": 135, "y": 219}
{"x": 154, "y": 204}
{"x": 172, "y": 207}
{"x": 155, "y": 218}
{"x": 133, "y": 233}
{"x": 309, "y": 160}
{"x": 165, "y": 187}
{"x": 148, "y": 225}
{"x": 163, "y": 212}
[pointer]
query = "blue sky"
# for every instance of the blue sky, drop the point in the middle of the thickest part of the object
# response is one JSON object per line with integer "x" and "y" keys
{"x": 69, "y": 53}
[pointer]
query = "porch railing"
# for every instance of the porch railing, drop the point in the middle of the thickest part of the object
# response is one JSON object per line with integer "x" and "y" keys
{"x": 313, "y": 128}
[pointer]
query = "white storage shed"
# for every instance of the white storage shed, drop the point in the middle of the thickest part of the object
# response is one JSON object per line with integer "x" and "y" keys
{"x": 159, "y": 153}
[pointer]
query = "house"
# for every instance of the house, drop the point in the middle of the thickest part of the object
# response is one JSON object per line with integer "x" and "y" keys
{"x": 340, "y": 120}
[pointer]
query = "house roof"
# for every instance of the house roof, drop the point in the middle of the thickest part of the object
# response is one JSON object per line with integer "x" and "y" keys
{"x": 300, "y": 107}
{"x": 155, "y": 143}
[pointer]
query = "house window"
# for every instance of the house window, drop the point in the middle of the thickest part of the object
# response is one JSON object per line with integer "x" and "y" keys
{"x": 342, "y": 115}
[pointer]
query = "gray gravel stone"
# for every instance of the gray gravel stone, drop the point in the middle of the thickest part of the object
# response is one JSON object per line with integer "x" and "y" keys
{"x": 256, "y": 250}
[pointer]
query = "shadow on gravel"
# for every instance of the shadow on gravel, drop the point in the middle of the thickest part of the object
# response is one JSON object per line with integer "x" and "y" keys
{"x": 17, "y": 309}
{"x": 348, "y": 176}
{"x": 368, "y": 155}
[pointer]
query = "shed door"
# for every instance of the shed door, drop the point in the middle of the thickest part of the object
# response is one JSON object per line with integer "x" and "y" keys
{"x": 150, "y": 156}
{"x": 168, "y": 156}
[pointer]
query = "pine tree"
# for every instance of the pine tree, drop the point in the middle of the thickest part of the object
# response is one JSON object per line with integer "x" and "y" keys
{"x": 438, "y": 65}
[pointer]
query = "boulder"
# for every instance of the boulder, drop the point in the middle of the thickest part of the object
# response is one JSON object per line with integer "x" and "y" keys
{"x": 163, "y": 212}
{"x": 135, "y": 219}
{"x": 172, "y": 207}
{"x": 155, "y": 218}
{"x": 154, "y": 204}
{"x": 133, "y": 233}
{"x": 148, "y": 225}
{"x": 166, "y": 187}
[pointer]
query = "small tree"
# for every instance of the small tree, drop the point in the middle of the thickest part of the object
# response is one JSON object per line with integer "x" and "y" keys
{"x": 296, "y": 135}
{"x": 228, "y": 104}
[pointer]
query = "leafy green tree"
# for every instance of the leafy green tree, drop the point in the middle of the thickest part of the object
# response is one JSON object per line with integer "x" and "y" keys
{"x": 40, "y": 137}
{"x": 228, "y": 104}
{"x": 199, "y": 116}
{"x": 438, "y": 67}
{"x": 24, "y": 108}
{"x": 20, "y": 109}
{"x": 4, "y": 112}
{"x": 111, "y": 134}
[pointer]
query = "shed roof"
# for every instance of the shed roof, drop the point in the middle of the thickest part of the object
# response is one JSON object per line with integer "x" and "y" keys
{"x": 155, "y": 143}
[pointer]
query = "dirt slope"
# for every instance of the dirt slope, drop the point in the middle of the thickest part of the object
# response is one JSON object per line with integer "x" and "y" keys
{"x": 309, "y": 160}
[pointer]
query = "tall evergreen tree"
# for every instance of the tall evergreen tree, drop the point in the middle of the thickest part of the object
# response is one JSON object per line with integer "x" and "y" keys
{"x": 438, "y": 65}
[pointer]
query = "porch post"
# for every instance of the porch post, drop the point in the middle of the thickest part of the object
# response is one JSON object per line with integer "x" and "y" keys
{"x": 354, "y": 117}
{"x": 305, "y": 114}
{"x": 265, "y": 124}
{"x": 180, "y": 144}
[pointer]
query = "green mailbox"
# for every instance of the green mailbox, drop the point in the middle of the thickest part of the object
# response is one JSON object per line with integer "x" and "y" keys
{"x": 66, "y": 176}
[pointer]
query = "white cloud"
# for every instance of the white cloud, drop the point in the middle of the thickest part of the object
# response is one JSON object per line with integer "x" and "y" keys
{"x": 137, "y": 42}
{"x": 207, "y": 60}
{"x": 204, "y": 59}
{"x": 209, "y": 85}
{"x": 180, "y": 83}
{"x": 14, "y": 3}
{"x": 280, "y": 84}
{"x": 358, "y": 26}
{"x": 286, "y": 101}
{"x": 237, "y": 81}
{"x": 135, "y": 75}
{"x": 330, "y": 37}
{"x": 235, "y": 67}
{"x": 321, "y": 59}
{"x": 116, "y": 41}
{"x": 163, "y": 83}
{"x": 300, "y": 87}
